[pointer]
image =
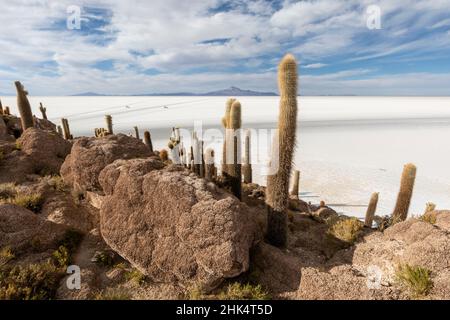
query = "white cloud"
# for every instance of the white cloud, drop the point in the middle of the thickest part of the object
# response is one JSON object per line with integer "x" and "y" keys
{"x": 176, "y": 33}
{"x": 315, "y": 66}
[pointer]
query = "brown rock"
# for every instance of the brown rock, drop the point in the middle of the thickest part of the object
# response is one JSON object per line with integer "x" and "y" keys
{"x": 21, "y": 229}
{"x": 171, "y": 226}
{"x": 45, "y": 149}
{"x": 90, "y": 155}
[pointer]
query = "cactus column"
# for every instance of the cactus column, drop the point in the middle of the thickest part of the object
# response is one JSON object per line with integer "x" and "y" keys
{"x": 136, "y": 132}
{"x": 26, "y": 116}
{"x": 43, "y": 111}
{"x": 404, "y": 196}
{"x": 226, "y": 123}
{"x": 295, "y": 184}
{"x": 66, "y": 129}
{"x": 278, "y": 183}
{"x": 247, "y": 166}
{"x": 109, "y": 123}
{"x": 370, "y": 213}
{"x": 209, "y": 164}
{"x": 148, "y": 140}
{"x": 1, "y": 107}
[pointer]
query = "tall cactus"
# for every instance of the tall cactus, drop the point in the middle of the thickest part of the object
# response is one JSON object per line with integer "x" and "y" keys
{"x": 247, "y": 166}
{"x": 295, "y": 184}
{"x": 278, "y": 183}
{"x": 1, "y": 107}
{"x": 404, "y": 196}
{"x": 148, "y": 140}
{"x": 66, "y": 129}
{"x": 234, "y": 168}
{"x": 26, "y": 116}
{"x": 226, "y": 122}
{"x": 43, "y": 111}
{"x": 209, "y": 164}
{"x": 109, "y": 123}
{"x": 136, "y": 132}
{"x": 371, "y": 209}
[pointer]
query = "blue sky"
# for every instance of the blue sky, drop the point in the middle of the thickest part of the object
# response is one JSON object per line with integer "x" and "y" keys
{"x": 137, "y": 46}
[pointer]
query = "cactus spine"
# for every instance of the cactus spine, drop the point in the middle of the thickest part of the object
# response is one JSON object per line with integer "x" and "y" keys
{"x": 278, "y": 183}
{"x": 109, "y": 123}
{"x": 66, "y": 129}
{"x": 295, "y": 184}
{"x": 43, "y": 111}
{"x": 209, "y": 164}
{"x": 148, "y": 140}
{"x": 404, "y": 196}
{"x": 247, "y": 166}
{"x": 26, "y": 116}
{"x": 370, "y": 213}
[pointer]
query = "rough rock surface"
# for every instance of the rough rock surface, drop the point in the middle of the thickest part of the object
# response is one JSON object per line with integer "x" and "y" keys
{"x": 366, "y": 270}
{"x": 90, "y": 155}
{"x": 4, "y": 134}
{"x": 21, "y": 229}
{"x": 174, "y": 226}
{"x": 45, "y": 149}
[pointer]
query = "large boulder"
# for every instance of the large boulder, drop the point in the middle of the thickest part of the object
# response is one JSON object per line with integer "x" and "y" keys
{"x": 45, "y": 149}
{"x": 22, "y": 230}
{"x": 174, "y": 226}
{"x": 90, "y": 155}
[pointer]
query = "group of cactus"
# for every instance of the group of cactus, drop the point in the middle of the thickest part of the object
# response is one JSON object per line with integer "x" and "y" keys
{"x": 4, "y": 111}
{"x": 403, "y": 202}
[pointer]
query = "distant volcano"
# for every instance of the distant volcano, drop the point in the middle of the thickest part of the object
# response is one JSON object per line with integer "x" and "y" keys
{"x": 232, "y": 91}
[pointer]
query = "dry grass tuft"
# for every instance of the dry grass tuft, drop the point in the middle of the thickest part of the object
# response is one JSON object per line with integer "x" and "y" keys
{"x": 347, "y": 230}
{"x": 416, "y": 279}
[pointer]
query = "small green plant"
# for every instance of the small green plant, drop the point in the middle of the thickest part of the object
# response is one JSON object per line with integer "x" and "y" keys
{"x": 7, "y": 190}
{"x": 416, "y": 279}
{"x": 6, "y": 255}
{"x": 18, "y": 146}
{"x": 29, "y": 282}
{"x": 31, "y": 202}
{"x": 103, "y": 258}
{"x": 119, "y": 293}
{"x": 428, "y": 217}
{"x": 238, "y": 291}
{"x": 61, "y": 257}
{"x": 347, "y": 230}
{"x": 136, "y": 276}
{"x": 57, "y": 183}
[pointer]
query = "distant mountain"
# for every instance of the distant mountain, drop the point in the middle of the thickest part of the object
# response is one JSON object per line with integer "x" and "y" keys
{"x": 236, "y": 92}
{"x": 232, "y": 91}
{"x": 89, "y": 94}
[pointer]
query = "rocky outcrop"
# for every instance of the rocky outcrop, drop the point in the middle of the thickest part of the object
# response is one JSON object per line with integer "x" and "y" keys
{"x": 90, "y": 155}
{"x": 22, "y": 230}
{"x": 174, "y": 226}
{"x": 368, "y": 270}
{"x": 45, "y": 149}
